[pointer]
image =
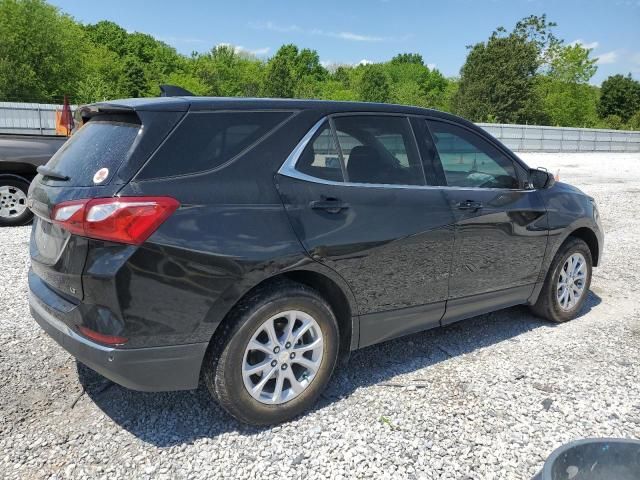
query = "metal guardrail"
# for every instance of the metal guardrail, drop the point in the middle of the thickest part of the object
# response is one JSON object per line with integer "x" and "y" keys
{"x": 40, "y": 119}
{"x": 535, "y": 138}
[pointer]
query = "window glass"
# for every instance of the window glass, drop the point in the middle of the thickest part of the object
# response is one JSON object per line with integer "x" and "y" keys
{"x": 470, "y": 161}
{"x": 98, "y": 144}
{"x": 320, "y": 157}
{"x": 379, "y": 149}
{"x": 206, "y": 140}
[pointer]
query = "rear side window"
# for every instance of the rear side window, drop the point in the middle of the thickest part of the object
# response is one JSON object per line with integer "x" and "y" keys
{"x": 206, "y": 140}
{"x": 320, "y": 158}
{"x": 98, "y": 144}
{"x": 379, "y": 149}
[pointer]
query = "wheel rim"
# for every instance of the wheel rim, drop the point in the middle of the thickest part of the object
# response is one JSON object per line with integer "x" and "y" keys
{"x": 572, "y": 281}
{"x": 283, "y": 357}
{"x": 13, "y": 201}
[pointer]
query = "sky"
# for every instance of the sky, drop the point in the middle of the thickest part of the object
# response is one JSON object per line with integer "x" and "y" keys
{"x": 353, "y": 31}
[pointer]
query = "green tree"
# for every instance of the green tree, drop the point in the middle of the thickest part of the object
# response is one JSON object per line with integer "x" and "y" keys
{"x": 373, "y": 85}
{"x": 613, "y": 121}
{"x": 294, "y": 73}
{"x": 134, "y": 83}
{"x": 634, "y": 121}
{"x": 498, "y": 80}
{"x": 619, "y": 96}
{"x": 110, "y": 35}
{"x": 407, "y": 81}
{"x": 414, "y": 58}
{"x": 222, "y": 70}
{"x": 501, "y": 78}
{"x": 42, "y": 51}
{"x": 567, "y": 98}
{"x": 537, "y": 30}
{"x": 280, "y": 81}
{"x": 157, "y": 59}
{"x": 527, "y": 75}
{"x": 572, "y": 64}
{"x": 434, "y": 88}
{"x": 568, "y": 104}
{"x": 189, "y": 82}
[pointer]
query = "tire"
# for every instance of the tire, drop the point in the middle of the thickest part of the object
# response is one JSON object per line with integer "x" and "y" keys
{"x": 13, "y": 202}
{"x": 229, "y": 354}
{"x": 549, "y": 305}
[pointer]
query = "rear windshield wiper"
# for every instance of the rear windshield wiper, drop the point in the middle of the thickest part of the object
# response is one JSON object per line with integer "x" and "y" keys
{"x": 47, "y": 172}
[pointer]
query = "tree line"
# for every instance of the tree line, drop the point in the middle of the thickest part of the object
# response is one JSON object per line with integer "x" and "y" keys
{"x": 526, "y": 75}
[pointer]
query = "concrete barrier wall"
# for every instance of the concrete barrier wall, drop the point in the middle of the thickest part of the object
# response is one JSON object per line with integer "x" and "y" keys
{"x": 534, "y": 138}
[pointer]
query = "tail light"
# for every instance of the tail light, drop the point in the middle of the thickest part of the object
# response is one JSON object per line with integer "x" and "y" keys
{"x": 101, "y": 337}
{"x": 119, "y": 219}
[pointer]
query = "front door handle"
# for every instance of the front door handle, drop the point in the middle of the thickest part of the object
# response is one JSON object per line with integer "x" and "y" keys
{"x": 469, "y": 205}
{"x": 330, "y": 205}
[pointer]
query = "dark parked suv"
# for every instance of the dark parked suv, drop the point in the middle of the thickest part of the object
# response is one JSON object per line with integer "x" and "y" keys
{"x": 251, "y": 242}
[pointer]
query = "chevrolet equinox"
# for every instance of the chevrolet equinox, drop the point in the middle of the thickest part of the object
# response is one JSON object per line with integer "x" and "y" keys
{"x": 251, "y": 243}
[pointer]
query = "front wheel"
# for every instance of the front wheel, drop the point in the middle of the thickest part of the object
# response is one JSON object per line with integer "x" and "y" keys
{"x": 13, "y": 202}
{"x": 566, "y": 286}
{"x": 274, "y": 356}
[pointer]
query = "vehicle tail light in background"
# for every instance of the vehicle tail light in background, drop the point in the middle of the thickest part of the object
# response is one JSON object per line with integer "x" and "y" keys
{"x": 101, "y": 337}
{"x": 128, "y": 220}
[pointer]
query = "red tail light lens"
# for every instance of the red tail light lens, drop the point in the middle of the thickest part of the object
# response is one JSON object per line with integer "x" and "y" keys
{"x": 120, "y": 219}
{"x": 101, "y": 337}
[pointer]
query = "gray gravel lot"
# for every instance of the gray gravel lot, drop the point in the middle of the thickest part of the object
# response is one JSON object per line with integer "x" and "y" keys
{"x": 486, "y": 398}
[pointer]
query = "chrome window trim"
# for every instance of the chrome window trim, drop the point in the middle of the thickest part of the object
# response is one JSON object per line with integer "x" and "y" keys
{"x": 288, "y": 169}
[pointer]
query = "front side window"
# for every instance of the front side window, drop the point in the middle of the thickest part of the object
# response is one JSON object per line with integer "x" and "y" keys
{"x": 379, "y": 149}
{"x": 470, "y": 161}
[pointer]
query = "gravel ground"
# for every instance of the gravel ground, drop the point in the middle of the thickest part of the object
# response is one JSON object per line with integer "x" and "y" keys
{"x": 486, "y": 398}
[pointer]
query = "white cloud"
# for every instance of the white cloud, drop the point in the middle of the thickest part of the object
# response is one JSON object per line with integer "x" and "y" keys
{"x": 350, "y": 36}
{"x": 608, "y": 57}
{"x": 274, "y": 27}
{"x": 584, "y": 44}
{"x": 431, "y": 66}
{"x": 260, "y": 51}
{"x": 241, "y": 49}
{"x": 364, "y": 61}
{"x": 353, "y": 36}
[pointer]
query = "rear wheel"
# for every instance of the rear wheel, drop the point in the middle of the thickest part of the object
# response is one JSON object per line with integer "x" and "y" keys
{"x": 567, "y": 284}
{"x": 274, "y": 356}
{"x": 13, "y": 202}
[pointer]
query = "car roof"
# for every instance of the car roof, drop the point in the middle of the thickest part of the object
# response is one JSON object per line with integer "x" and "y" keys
{"x": 241, "y": 103}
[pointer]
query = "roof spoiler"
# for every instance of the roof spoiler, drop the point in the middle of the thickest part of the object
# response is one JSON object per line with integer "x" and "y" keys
{"x": 174, "y": 91}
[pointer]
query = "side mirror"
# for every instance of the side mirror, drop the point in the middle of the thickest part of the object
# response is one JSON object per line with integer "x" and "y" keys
{"x": 541, "y": 178}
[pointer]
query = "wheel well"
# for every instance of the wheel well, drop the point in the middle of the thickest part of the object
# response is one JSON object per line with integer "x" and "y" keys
{"x": 336, "y": 298}
{"x": 11, "y": 176}
{"x": 24, "y": 170}
{"x": 327, "y": 288}
{"x": 590, "y": 239}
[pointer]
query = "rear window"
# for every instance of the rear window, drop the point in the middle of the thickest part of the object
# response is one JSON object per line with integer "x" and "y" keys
{"x": 97, "y": 145}
{"x": 206, "y": 140}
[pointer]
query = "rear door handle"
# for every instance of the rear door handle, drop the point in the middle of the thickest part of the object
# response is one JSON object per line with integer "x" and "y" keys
{"x": 469, "y": 205}
{"x": 330, "y": 205}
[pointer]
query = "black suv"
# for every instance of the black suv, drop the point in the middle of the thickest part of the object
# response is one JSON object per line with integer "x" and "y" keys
{"x": 251, "y": 242}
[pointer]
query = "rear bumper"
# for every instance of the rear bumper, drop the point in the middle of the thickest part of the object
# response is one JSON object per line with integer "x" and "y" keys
{"x": 152, "y": 369}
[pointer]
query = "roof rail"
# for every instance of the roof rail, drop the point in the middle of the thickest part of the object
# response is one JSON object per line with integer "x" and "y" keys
{"x": 174, "y": 91}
